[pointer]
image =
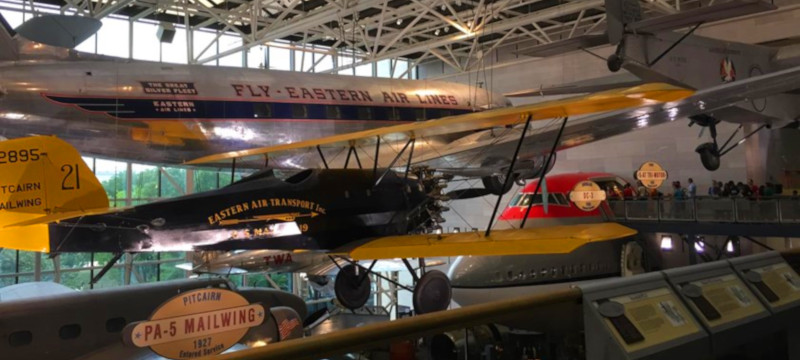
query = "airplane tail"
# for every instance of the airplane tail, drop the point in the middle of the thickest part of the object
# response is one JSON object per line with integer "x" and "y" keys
{"x": 8, "y": 47}
{"x": 42, "y": 180}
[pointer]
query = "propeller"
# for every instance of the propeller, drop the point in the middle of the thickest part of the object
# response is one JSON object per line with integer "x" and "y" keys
{"x": 468, "y": 193}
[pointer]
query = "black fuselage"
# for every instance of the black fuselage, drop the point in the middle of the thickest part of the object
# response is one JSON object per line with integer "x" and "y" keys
{"x": 314, "y": 209}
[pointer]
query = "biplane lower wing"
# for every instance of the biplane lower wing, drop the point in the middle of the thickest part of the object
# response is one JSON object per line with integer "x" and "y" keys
{"x": 530, "y": 241}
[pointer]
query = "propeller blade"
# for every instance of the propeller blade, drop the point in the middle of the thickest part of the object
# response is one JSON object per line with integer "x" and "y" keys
{"x": 702, "y": 131}
{"x": 468, "y": 193}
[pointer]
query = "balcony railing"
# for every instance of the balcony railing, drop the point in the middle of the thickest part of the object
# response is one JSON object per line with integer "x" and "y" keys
{"x": 771, "y": 210}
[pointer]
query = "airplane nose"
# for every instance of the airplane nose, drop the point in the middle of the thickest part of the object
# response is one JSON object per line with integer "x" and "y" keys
{"x": 477, "y": 271}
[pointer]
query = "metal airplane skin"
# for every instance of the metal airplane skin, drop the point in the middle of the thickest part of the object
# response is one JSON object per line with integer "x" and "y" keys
{"x": 31, "y": 324}
{"x": 651, "y": 51}
{"x": 169, "y": 113}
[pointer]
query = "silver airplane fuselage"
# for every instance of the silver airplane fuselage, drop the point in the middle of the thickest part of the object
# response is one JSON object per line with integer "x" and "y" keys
{"x": 168, "y": 113}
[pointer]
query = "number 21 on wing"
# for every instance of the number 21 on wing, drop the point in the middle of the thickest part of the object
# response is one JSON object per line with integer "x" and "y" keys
{"x": 71, "y": 180}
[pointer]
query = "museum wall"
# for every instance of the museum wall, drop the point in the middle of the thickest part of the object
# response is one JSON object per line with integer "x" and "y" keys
{"x": 672, "y": 145}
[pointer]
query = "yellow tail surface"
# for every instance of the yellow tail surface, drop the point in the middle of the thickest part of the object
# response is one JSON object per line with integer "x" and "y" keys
{"x": 42, "y": 179}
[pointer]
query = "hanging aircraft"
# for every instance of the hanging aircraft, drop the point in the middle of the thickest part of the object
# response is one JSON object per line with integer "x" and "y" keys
{"x": 56, "y": 323}
{"x": 651, "y": 50}
{"x": 53, "y": 203}
{"x": 169, "y": 113}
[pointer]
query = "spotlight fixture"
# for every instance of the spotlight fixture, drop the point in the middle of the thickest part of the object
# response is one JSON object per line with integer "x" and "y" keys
{"x": 699, "y": 246}
{"x": 437, "y": 32}
{"x": 400, "y": 21}
{"x": 730, "y": 247}
{"x": 666, "y": 242}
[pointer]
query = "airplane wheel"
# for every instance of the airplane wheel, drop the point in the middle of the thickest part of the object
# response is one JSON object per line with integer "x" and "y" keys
{"x": 351, "y": 292}
{"x": 614, "y": 63}
{"x": 432, "y": 293}
{"x": 709, "y": 156}
{"x": 495, "y": 184}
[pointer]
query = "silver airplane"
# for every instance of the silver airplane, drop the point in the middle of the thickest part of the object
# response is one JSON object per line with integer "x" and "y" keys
{"x": 50, "y": 321}
{"x": 168, "y": 113}
{"x": 650, "y": 50}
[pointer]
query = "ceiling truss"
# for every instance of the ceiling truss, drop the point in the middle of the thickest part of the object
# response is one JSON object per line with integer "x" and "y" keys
{"x": 459, "y": 33}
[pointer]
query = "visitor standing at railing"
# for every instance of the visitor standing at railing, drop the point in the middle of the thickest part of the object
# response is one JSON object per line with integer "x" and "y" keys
{"x": 641, "y": 190}
{"x": 744, "y": 190}
{"x": 692, "y": 189}
{"x": 753, "y": 188}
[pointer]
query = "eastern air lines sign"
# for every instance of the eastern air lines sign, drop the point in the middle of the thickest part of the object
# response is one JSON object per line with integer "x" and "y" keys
{"x": 195, "y": 324}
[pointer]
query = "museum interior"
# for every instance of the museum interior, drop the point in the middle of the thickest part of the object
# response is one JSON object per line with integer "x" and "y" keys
{"x": 399, "y": 179}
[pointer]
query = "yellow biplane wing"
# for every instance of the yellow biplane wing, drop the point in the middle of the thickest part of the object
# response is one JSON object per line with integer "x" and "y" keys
{"x": 647, "y": 94}
{"x": 530, "y": 241}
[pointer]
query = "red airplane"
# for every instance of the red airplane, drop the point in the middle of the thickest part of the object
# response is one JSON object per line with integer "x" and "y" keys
{"x": 560, "y": 210}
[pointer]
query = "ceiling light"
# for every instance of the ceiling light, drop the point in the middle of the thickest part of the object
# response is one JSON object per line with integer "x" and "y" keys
{"x": 400, "y": 21}
{"x": 729, "y": 247}
{"x": 444, "y": 7}
{"x": 446, "y": 29}
{"x": 437, "y": 32}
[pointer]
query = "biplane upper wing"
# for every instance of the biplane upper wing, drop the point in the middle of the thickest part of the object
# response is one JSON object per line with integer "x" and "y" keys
{"x": 598, "y": 102}
{"x": 529, "y": 241}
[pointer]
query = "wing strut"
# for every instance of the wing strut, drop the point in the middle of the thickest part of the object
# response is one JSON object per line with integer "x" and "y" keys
{"x": 319, "y": 150}
{"x": 377, "y": 152}
{"x": 352, "y": 150}
{"x": 105, "y": 268}
{"x": 508, "y": 173}
{"x": 544, "y": 172}
{"x": 389, "y": 168}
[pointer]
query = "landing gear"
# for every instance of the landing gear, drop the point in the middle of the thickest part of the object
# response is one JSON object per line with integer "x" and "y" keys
{"x": 432, "y": 291}
{"x": 352, "y": 286}
{"x": 709, "y": 155}
{"x": 710, "y": 152}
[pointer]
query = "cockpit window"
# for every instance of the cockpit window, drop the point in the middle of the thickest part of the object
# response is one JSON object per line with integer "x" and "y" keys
{"x": 299, "y": 177}
{"x": 552, "y": 199}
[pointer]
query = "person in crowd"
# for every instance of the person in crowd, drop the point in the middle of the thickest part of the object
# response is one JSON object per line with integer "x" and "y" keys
{"x": 769, "y": 189}
{"x": 692, "y": 189}
{"x": 794, "y": 194}
{"x": 744, "y": 190}
{"x": 712, "y": 190}
{"x": 753, "y": 188}
{"x": 628, "y": 192}
{"x": 641, "y": 190}
{"x": 733, "y": 190}
{"x": 677, "y": 191}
